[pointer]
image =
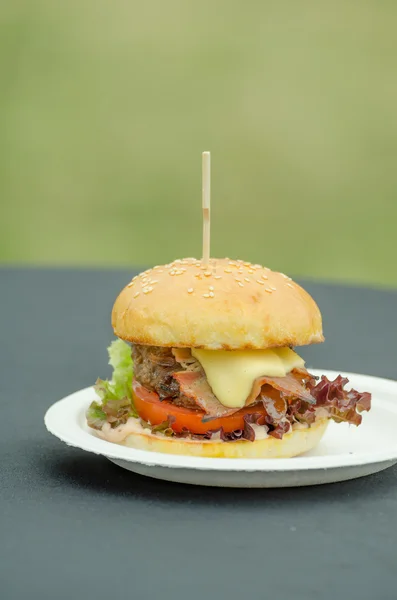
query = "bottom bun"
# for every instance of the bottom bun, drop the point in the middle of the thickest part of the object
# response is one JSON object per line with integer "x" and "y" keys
{"x": 295, "y": 442}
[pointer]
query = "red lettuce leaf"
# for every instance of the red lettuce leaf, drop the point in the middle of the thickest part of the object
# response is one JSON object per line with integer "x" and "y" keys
{"x": 341, "y": 404}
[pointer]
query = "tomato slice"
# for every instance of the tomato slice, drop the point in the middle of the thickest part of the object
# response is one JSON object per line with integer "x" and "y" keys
{"x": 155, "y": 411}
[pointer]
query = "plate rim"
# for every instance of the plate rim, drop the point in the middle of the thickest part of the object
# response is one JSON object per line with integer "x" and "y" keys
{"x": 74, "y": 434}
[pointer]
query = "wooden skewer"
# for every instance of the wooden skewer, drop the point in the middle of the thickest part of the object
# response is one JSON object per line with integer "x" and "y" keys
{"x": 206, "y": 195}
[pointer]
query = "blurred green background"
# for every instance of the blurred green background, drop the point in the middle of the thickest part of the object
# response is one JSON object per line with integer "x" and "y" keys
{"x": 105, "y": 108}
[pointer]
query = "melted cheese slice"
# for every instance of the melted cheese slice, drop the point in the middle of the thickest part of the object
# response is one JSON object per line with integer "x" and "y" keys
{"x": 231, "y": 374}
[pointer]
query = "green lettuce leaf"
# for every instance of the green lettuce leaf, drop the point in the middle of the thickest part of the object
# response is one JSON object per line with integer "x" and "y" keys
{"x": 115, "y": 394}
{"x": 120, "y": 386}
{"x": 96, "y": 418}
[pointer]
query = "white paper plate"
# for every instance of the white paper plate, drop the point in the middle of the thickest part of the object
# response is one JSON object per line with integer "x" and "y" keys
{"x": 345, "y": 452}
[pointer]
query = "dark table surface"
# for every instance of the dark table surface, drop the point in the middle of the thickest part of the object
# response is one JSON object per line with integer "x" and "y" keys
{"x": 73, "y": 525}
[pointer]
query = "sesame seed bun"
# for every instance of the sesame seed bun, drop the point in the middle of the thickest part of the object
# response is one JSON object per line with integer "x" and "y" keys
{"x": 292, "y": 444}
{"x": 229, "y": 304}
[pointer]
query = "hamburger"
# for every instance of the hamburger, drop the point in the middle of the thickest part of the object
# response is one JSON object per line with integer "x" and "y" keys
{"x": 205, "y": 365}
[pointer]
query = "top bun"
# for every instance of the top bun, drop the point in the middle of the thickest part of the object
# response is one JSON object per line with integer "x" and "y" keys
{"x": 228, "y": 304}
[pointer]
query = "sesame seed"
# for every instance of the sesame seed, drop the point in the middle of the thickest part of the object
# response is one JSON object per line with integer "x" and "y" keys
{"x": 197, "y": 265}
{"x": 147, "y": 290}
{"x": 153, "y": 282}
{"x": 217, "y": 276}
{"x": 232, "y": 264}
{"x": 247, "y": 264}
{"x": 211, "y": 288}
{"x": 211, "y": 294}
{"x": 171, "y": 272}
{"x": 206, "y": 295}
{"x": 228, "y": 270}
{"x": 257, "y": 266}
{"x": 247, "y": 279}
{"x": 190, "y": 291}
{"x": 261, "y": 282}
{"x": 240, "y": 284}
{"x": 131, "y": 284}
{"x": 250, "y": 271}
{"x": 265, "y": 277}
{"x": 237, "y": 279}
{"x": 269, "y": 290}
{"x": 136, "y": 294}
{"x": 290, "y": 285}
{"x": 207, "y": 273}
{"x": 177, "y": 260}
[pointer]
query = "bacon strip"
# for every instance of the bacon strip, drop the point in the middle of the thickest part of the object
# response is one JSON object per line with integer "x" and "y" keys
{"x": 194, "y": 385}
{"x": 290, "y": 385}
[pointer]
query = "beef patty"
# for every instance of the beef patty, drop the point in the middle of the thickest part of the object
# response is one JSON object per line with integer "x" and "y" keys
{"x": 154, "y": 367}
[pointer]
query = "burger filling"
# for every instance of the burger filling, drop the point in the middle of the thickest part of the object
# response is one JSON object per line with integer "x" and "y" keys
{"x": 206, "y": 394}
